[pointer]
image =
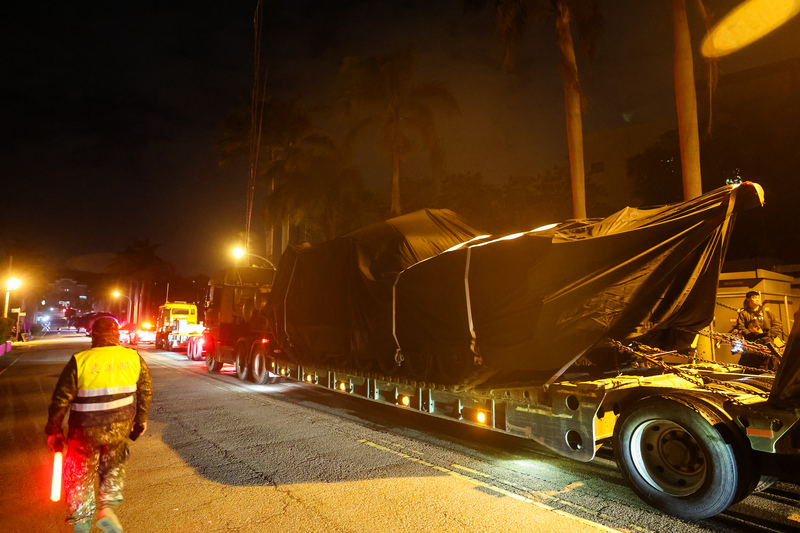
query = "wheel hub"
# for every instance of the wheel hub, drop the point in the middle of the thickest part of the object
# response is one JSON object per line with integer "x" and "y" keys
{"x": 668, "y": 457}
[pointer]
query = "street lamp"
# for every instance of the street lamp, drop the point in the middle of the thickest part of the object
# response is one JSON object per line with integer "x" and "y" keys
{"x": 11, "y": 284}
{"x": 239, "y": 253}
{"x": 748, "y": 22}
{"x": 130, "y": 302}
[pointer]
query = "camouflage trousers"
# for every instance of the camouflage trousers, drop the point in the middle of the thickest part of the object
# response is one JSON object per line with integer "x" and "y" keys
{"x": 86, "y": 461}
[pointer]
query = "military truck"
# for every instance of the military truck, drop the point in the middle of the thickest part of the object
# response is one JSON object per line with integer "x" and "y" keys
{"x": 176, "y": 323}
{"x": 559, "y": 334}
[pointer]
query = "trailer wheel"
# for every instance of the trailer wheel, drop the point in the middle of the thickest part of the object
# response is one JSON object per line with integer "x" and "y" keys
{"x": 674, "y": 458}
{"x": 240, "y": 361}
{"x": 260, "y": 367}
{"x": 212, "y": 364}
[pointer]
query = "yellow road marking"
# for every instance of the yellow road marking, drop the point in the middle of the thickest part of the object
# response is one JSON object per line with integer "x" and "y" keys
{"x": 545, "y": 494}
{"x": 486, "y": 485}
{"x": 388, "y": 443}
{"x": 471, "y": 471}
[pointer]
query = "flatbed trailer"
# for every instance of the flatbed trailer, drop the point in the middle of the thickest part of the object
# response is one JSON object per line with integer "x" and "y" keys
{"x": 686, "y": 449}
{"x": 690, "y": 439}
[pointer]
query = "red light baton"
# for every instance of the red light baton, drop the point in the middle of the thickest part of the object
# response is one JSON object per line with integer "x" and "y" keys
{"x": 55, "y": 487}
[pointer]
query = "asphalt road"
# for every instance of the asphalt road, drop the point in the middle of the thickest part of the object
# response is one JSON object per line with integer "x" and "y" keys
{"x": 221, "y": 455}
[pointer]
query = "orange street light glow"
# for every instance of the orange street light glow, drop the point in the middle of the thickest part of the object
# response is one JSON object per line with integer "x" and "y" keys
{"x": 747, "y": 23}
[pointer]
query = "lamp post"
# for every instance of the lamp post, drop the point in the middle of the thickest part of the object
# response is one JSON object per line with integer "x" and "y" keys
{"x": 11, "y": 284}
{"x": 239, "y": 253}
{"x": 746, "y": 23}
{"x": 130, "y": 302}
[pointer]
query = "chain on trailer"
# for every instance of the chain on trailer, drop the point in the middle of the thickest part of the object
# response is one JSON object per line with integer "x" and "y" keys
{"x": 773, "y": 353}
{"x": 653, "y": 356}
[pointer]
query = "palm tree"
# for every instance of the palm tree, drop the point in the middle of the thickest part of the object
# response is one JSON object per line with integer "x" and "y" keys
{"x": 686, "y": 99}
{"x": 286, "y": 129}
{"x": 511, "y": 17}
{"x": 318, "y": 191}
{"x": 139, "y": 266}
{"x": 385, "y": 88}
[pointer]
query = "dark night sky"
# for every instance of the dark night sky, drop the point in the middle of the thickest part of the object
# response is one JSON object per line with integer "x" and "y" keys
{"x": 111, "y": 110}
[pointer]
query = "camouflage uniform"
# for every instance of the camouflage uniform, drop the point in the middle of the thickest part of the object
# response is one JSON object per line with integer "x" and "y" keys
{"x": 99, "y": 424}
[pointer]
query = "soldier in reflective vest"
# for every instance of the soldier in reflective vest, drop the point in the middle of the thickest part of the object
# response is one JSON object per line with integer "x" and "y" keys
{"x": 107, "y": 391}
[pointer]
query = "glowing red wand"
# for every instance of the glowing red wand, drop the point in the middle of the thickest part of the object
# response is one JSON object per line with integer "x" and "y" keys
{"x": 55, "y": 487}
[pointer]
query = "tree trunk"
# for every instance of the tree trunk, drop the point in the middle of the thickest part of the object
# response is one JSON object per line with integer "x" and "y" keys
{"x": 395, "y": 211}
{"x": 284, "y": 235}
{"x": 686, "y": 102}
{"x": 572, "y": 104}
{"x": 270, "y": 245}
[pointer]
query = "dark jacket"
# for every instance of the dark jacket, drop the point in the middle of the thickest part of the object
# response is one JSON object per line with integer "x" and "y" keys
{"x": 770, "y": 325}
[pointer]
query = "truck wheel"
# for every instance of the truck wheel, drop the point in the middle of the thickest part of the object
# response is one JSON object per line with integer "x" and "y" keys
{"x": 197, "y": 354}
{"x": 674, "y": 458}
{"x": 261, "y": 365}
{"x": 212, "y": 364}
{"x": 190, "y": 349}
{"x": 240, "y": 361}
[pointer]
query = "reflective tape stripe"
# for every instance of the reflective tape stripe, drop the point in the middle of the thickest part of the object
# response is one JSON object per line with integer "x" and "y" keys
{"x": 107, "y": 406}
{"x": 106, "y": 392}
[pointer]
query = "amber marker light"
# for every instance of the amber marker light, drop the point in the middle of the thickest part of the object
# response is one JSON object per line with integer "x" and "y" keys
{"x": 481, "y": 417}
{"x": 748, "y": 22}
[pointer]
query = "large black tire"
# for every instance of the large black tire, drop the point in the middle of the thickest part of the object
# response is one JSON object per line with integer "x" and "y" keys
{"x": 212, "y": 364}
{"x": 261, "y": 364}
{"x": 193, "y": 349}
{"x": 240, "y": 361}
{"x": 675, "y": 459}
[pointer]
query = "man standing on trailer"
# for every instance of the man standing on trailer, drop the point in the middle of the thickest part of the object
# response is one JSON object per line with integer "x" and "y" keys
{"x": 760, "y": 319}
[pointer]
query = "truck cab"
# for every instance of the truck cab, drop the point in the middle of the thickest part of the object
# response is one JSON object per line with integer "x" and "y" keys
{"x": 235, "y": 329}
{"x": 170, "y": 316}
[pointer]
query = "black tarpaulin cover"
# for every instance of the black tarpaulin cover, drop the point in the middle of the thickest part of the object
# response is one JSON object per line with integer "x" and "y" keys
{"x": 531, "y": 304}
{"x": 335, "y": 298}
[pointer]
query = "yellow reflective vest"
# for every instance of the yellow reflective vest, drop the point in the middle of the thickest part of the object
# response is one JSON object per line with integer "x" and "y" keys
{"x": 107, "y": 379}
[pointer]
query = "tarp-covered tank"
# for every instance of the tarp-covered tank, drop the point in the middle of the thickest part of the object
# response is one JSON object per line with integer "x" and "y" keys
{"x": 333, "y": 301}
{"x": 523, "y": 308}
